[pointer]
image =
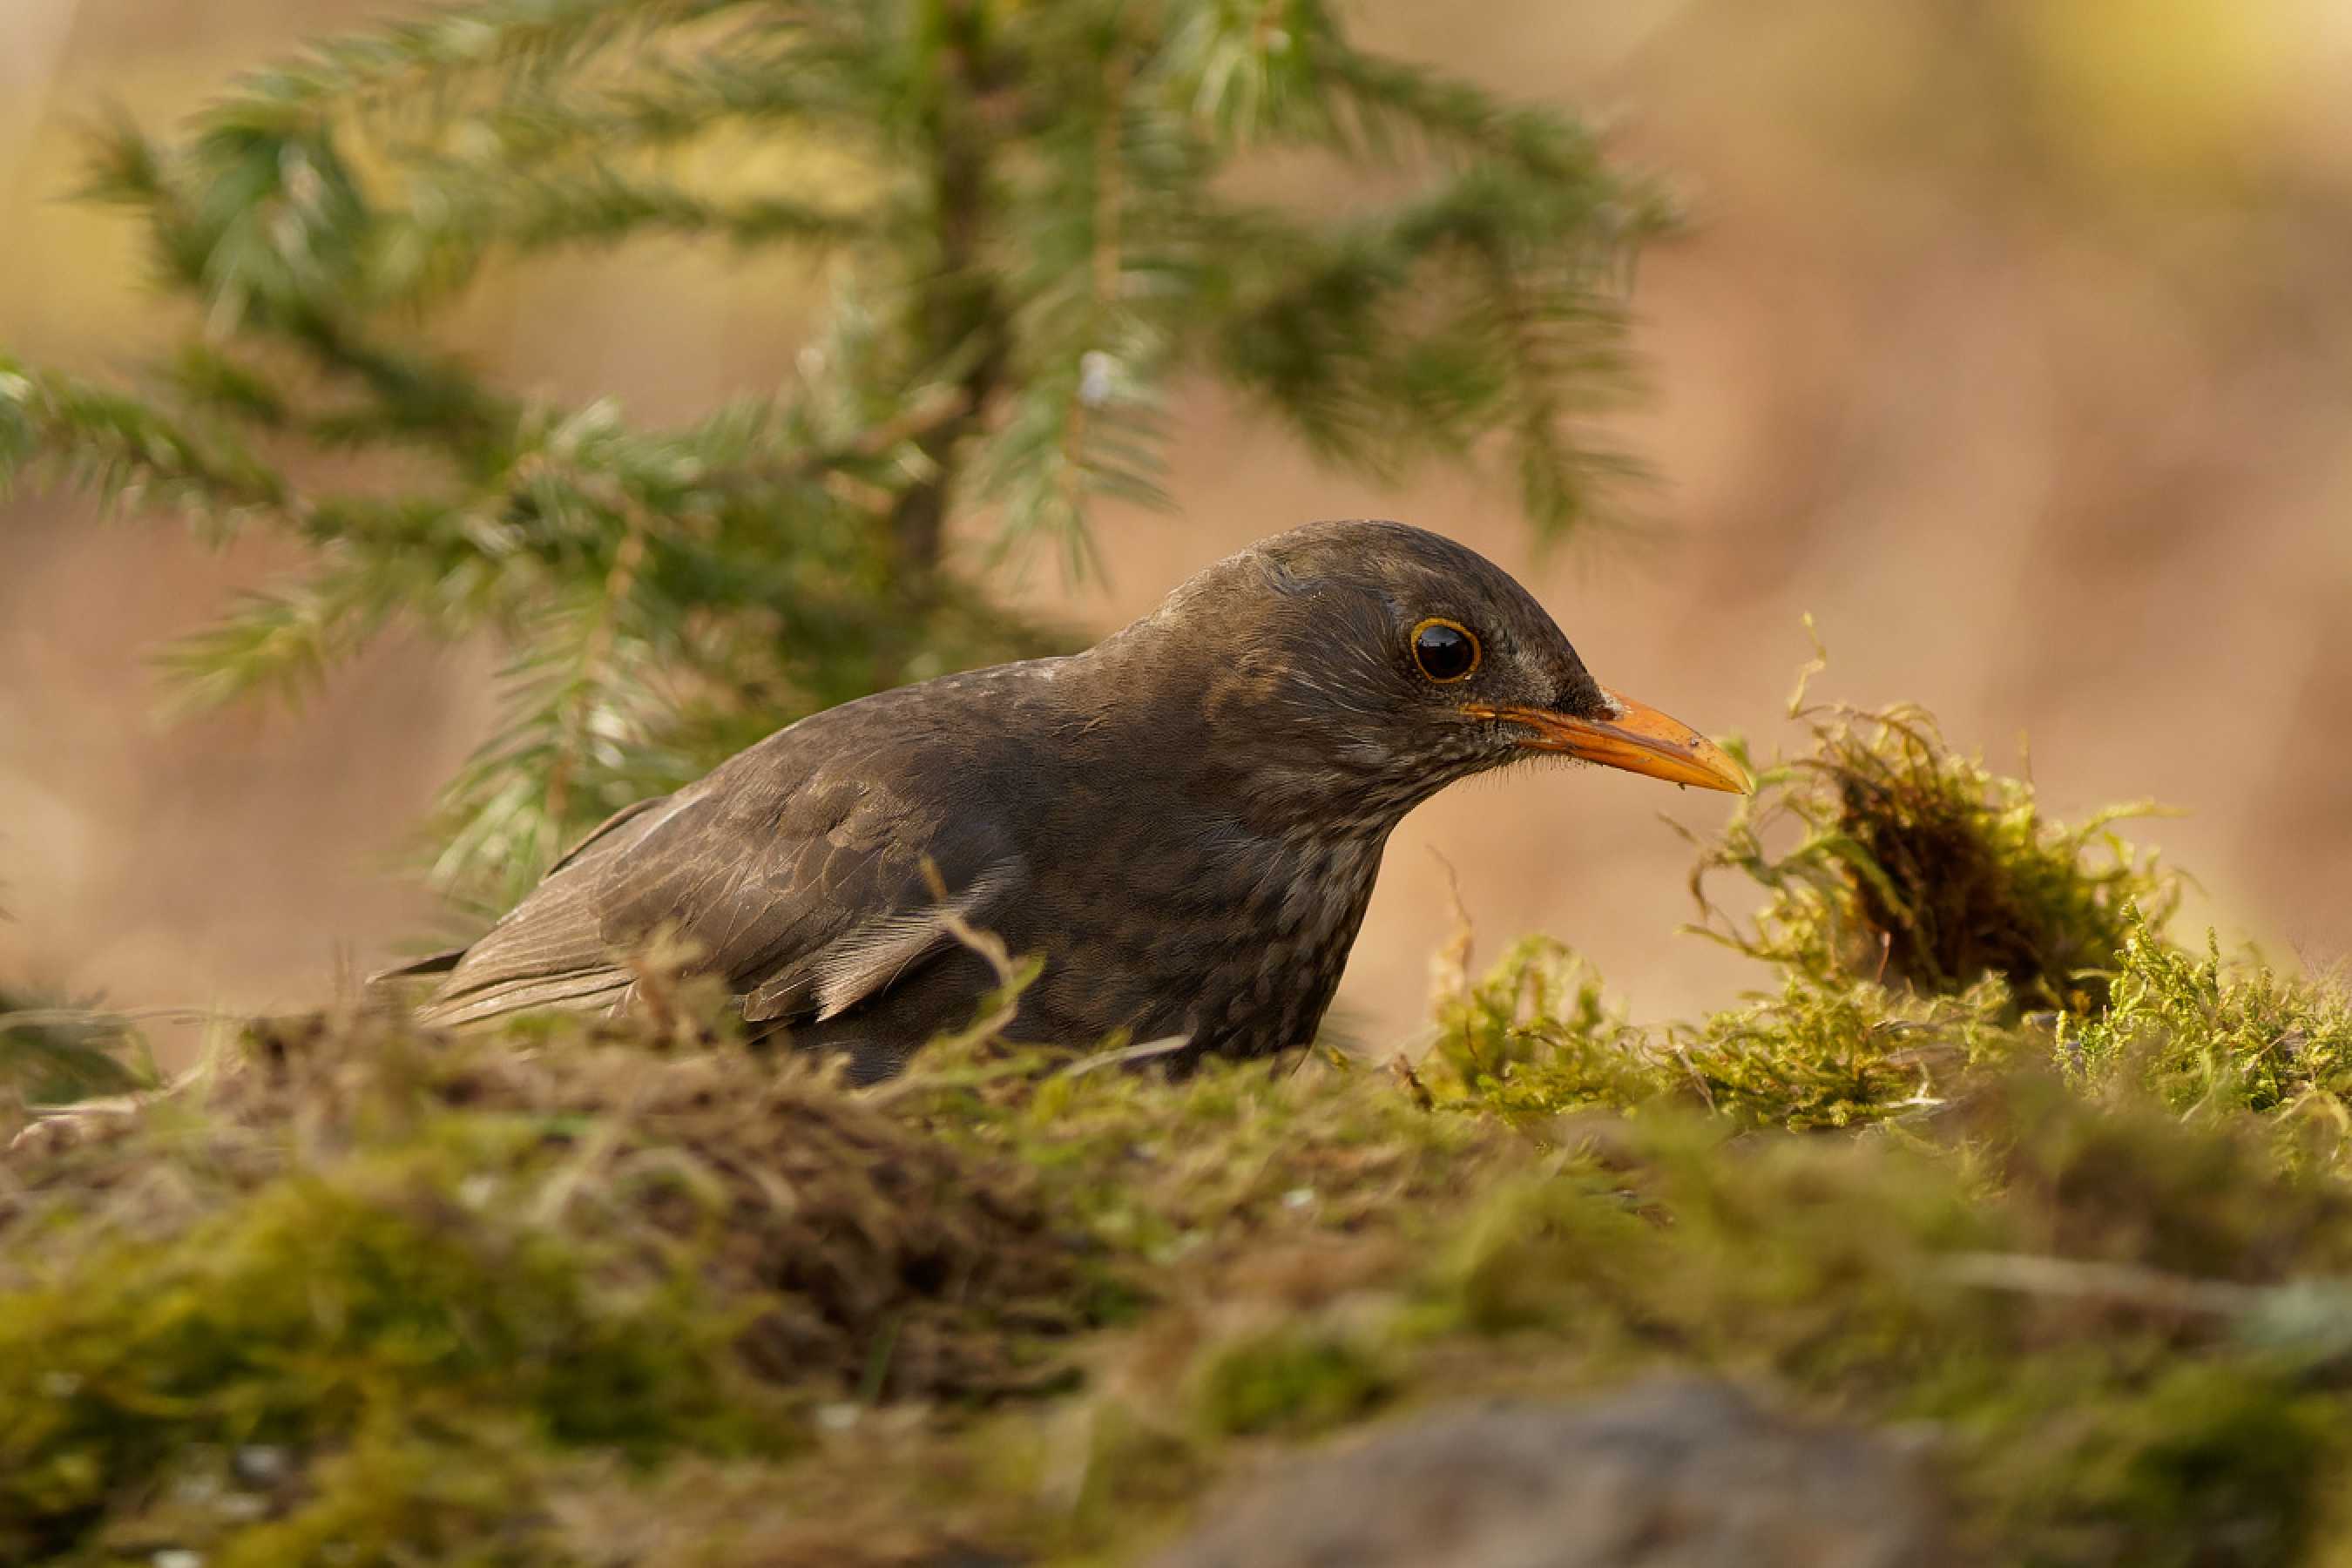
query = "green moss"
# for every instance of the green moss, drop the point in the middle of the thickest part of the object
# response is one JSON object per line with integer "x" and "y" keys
{"x": 394, "y": 1497}
{"x": 1916, "y": 866}
{"x": 1232, "y": 1157}
{"x": 1561, "y": 1252}
{"x": 1994, "y": 1162}
{"x": 2202, "y": 1034}
{"x": 2119, "y": 1177}
{"x": 2097, "y": 1395}
{"x": 2194, "y": 1462}
{"x": 380, "y": 1299}
{"x": 1536, "y": 1037}
{"x": 361, "y": 1245}
{"x": 1287, "y": 1379}
{"x": 376, "y": 1283}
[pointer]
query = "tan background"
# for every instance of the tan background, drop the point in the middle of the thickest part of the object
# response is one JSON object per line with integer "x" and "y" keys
{"x": 2013, "y": 343}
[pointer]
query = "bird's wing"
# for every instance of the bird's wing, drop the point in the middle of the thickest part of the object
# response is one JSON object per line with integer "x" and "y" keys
{"x": 804, "y": 888}
{"x": 549, "y": 951}
{"x": 809, "y": 894}
{"x": 448, "y": 959}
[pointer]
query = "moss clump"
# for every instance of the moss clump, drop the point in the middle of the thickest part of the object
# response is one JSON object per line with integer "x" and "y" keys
{"x": 375, "y": 1301}
{"x": 888, "y": 1262}
{"x": 2097, "y": 1394}
{"x": 393, "y": 1495}
{"x": 1918, "y": 867}
{"x": 1536, "y": 1036}
{"x": 2117, "y": 1177}
{"x": 1285, "y": 1380}
{"x": 1924, "y": 919}
{"x": 2195, "y": 1463}
{"x": 2201, "y": 1033}
{"x": 1212, "y": 1170}
{"x": 476, "y": 1279}
{"x": 364, "y": 1241}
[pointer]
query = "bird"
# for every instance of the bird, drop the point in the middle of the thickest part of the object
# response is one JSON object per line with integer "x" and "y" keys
{"x": 1184, "y": 821}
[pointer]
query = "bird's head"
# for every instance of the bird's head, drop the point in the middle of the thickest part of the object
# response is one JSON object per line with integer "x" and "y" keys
{"x": 1380, "y": 662}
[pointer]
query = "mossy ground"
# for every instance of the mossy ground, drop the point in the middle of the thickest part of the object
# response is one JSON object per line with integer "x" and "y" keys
{"x": 1991, "y": 1159}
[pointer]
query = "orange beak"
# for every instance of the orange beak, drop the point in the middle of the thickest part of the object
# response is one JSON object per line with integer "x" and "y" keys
{"x": 1639, "y": 739}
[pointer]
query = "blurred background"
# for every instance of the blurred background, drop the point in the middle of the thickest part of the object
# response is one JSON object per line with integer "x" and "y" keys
{"x": 2010, "y": 341}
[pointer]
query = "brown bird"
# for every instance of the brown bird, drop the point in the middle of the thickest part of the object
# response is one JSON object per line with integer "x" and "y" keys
{"x": 1186, "y": 819}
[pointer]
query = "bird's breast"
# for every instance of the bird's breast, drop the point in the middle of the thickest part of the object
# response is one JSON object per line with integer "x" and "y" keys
{"x": 1238, "y": 943}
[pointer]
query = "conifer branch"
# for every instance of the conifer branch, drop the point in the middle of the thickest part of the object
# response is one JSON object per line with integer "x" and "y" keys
{"x": 287, "y": 641}
{"x": 477, "y": 212}
{"x": 130, "y": 453}
{"x": 404, "y": 64}
{"x": 1023, "y": 209}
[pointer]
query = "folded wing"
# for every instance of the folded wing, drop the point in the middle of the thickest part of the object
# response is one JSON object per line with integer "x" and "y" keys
{"x": 809, "y": 889}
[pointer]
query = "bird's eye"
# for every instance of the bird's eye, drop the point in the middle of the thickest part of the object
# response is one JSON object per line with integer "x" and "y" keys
{"x": 1445, "y": 650}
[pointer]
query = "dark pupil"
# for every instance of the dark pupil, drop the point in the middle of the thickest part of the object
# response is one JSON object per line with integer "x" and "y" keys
{"x": 1444, "y": 654}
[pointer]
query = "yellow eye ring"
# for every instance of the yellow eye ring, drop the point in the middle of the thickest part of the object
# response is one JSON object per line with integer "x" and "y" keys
{"x": 1445, "y": 651}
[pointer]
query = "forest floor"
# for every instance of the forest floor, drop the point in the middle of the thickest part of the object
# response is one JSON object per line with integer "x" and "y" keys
{"x": 2002, "y": 1224}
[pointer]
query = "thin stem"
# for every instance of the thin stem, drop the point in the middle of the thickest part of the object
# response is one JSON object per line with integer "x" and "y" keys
{"x": 1103, "y": 274}
{"x": 960, "y": 307}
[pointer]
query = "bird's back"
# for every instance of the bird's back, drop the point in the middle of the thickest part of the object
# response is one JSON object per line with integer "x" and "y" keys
{"x": 799, "y": 871}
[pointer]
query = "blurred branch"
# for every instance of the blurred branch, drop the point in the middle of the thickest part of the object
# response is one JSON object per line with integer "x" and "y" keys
{"x": 402, "y": 65}
{"x": 129, "y": 452}
{"x": 1022, "y": 207}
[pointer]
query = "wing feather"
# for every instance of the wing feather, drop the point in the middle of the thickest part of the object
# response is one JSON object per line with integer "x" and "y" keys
{"x": 800, "y": 871}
